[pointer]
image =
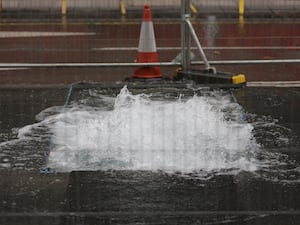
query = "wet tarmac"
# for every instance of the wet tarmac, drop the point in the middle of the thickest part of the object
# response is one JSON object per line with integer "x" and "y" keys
{"x": 116, "y": 41}
{"x": 269, "y": 195}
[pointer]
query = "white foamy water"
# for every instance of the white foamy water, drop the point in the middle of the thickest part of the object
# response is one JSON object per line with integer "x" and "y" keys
{"x": 137, "y": 133}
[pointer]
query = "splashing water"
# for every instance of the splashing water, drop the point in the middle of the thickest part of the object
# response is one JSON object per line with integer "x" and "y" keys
{"x": 199, "y": 137}
{"x": 139, "y": 133}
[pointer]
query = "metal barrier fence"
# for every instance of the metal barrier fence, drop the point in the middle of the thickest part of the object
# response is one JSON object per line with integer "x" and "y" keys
{"x": 226, "y": 7}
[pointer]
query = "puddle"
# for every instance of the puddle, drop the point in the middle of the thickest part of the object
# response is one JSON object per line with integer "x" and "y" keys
{"x": 202, "y": 134}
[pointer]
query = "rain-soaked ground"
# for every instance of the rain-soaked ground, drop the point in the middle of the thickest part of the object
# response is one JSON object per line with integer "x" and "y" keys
{"x": 169, "y": 157}
{"x": 188, "y": 156}
{"x": 116, "y": 41}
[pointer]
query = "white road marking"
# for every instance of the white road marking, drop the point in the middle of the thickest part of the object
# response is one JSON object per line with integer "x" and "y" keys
{"x": 23, "y": 34}
{"x": 273, "y": 84}
{"x": 205, "y": 48}
{"x": 18, "y": 68}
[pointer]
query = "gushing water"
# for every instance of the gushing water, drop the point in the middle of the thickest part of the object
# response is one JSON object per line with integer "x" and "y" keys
{"x": 139, "y": 133}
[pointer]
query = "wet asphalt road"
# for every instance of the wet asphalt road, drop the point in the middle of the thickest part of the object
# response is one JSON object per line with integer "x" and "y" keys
{"x": 137, "y": 197}
{"x": 116, "y": 41}
{"x": 122, "y": 197}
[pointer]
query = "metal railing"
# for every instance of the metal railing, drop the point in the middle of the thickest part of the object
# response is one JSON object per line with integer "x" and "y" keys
{"x": 167, "y": 64}
{"x": 240, "y": 7}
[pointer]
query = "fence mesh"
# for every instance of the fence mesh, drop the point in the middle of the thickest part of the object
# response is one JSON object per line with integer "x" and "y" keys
{"x": 110, "y": 8}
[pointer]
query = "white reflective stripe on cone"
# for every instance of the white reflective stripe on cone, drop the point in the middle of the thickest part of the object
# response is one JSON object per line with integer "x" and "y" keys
{"x": 147, "y": 38}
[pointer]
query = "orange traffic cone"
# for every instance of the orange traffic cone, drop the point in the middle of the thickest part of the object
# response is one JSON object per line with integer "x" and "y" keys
{"x": 147, "y": 49}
